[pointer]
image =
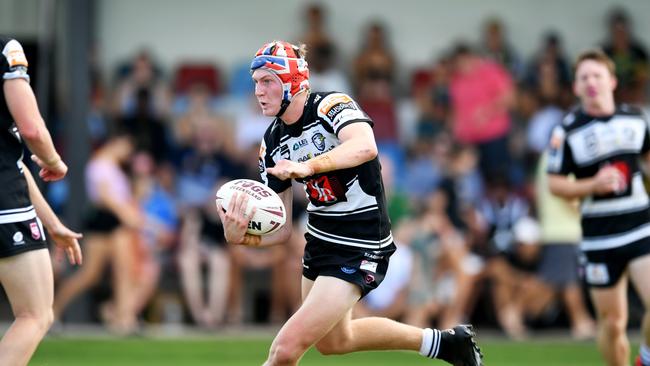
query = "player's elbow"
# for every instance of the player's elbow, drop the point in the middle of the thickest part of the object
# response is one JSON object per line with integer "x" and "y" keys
{"x": 369, "y": 152}
{"x": 30, "y": 131}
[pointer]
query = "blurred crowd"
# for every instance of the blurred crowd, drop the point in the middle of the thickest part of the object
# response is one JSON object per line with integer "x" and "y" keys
{"x": 462, "y": 145}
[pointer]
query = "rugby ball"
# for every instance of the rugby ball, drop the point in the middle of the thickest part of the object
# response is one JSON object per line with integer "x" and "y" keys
{"x": 270, "y": 213}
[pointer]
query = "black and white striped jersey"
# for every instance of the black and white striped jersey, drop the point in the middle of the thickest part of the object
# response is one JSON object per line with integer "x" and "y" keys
{"x": 583, "y": 144}
{"x": 346, "y": 206}
{"x": 15, "y": 205}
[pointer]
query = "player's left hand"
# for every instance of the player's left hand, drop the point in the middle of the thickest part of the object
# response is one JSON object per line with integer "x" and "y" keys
{"x": 68, "y": 241}
{"x": 234, "y": 218}
{"x": 287, "y": 169}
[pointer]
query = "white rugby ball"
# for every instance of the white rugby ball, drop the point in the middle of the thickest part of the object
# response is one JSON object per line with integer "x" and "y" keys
{"x": 270, "y": 213}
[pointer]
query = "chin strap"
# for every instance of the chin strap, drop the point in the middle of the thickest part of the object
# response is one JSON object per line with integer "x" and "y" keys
{"x": 283, "y": 108}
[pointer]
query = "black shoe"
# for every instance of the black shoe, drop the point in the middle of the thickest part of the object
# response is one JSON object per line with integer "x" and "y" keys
{"x": 459, "y": 348}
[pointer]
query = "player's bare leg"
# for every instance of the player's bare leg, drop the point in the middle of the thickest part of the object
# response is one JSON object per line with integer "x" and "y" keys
{"x": 27, "y": 280}
{"x": 639, "y": 273}
{"x": 332, "y": 299}
{"x": 612, "y": 314}
{"x": 334, "y": 331}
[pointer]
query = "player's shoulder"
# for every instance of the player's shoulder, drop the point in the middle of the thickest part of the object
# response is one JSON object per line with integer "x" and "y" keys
{"x": 335, "y": 107}
{"x": 573, "y": 117}
{"x": 625, "y": 109}
{"x": 8, "y": 44}
{"x": 331, "y": 103}
{"x": 12, "y": 51}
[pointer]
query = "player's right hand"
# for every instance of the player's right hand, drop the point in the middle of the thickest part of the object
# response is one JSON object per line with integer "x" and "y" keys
{"x": 51, "y": 172}
{"x": 67, "y": 241}
{"x": 609, "y": 180}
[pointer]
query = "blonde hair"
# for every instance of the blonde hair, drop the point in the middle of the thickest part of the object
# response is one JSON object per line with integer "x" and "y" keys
{"x": 595, "y": 54}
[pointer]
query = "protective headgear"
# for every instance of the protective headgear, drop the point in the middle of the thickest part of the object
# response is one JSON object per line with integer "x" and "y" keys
{"x": 283, "y": 60}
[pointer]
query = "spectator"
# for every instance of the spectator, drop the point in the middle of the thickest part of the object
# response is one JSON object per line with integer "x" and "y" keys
{"x": 140, "y": 74}
{"x": 558, "y": 267}
{"x": 110, "y": 226}
{"x": 496, "y": 48}
{"x": 630, "y": 58}
{"x": 482, "y": 95}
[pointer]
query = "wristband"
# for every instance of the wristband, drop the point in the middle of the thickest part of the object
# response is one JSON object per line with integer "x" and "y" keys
{"x": 320, "y": 164}
{"x": 52, "y": 161}
{"x": 252, "y": 240}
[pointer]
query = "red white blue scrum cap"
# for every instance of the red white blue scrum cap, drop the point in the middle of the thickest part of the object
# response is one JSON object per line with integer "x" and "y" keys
{"x": 283, "y": 60}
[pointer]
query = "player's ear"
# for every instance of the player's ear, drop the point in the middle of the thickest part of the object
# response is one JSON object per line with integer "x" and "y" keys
{"x": 614, "y": 82}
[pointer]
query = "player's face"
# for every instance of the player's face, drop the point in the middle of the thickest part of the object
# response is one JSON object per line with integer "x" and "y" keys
{"x": 268, "y": 91}
{"x": 593, "y": 84}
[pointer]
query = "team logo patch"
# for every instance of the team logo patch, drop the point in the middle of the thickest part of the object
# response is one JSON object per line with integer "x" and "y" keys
{"x": 597, "y": 274}
{"x": 36, "y": 232}
{"x": 348, "y": 270}
{"x": 18, "y": 238}
{"x": 369, "y": 278}
{"x": 368, "y": 266}
{"x": 319, "y": 141}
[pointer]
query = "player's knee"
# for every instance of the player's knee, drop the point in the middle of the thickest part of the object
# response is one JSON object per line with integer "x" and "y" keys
{"x": 41, "y": 320}
{"x": 47, "y": 319}
{"x": 331, "y": 346}
{"x": 284, "y": 354}
{"x": 613, "y": 325}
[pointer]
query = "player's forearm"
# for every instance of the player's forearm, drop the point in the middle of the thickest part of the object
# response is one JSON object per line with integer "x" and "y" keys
{"x": 43, "y": 209}
{"x": 350, "y": 153}
{"x": 570, "y": 189}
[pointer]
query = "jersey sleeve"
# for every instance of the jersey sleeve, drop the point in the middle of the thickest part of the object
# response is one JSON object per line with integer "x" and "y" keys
{"x": 560, "y": 158}
{"x": 266, "y": 160}
{"x": 339, "y": 110}
{"x": 13, "y": 63}
{"x": 646, "y": 134}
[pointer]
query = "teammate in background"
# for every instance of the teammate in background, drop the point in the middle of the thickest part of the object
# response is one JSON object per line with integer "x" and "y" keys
{"x": 601, "y": 143}
{"x": 325, "y": 141}
{"x": 25, "y": 266}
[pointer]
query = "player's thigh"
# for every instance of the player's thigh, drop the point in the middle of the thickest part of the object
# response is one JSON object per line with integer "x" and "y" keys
{"x": 328, "y": 301}
{"x": 27, "y": 280}
{"x": 611, "y": 302}
{"x": 639, "y": 270}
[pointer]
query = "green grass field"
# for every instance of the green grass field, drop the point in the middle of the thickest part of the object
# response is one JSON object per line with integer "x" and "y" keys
{"x": 236, "y": 352}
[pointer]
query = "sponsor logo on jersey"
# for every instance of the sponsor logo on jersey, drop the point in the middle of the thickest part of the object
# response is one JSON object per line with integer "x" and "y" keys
{"x": 18, "y": 238}
{"x": 368, "y": 266}
{"x": 299, "y": 144}
{"x": 319, "y": 141}
{"x": 333, "y": 105}
{"x": 338, "y": 109}
{"x": 14, "y": 54}
{"x": 36, "y": 232}
{"x": 369, "y": 278}
{"x": 348, "y": 270}
{"x": 373, "y": 256}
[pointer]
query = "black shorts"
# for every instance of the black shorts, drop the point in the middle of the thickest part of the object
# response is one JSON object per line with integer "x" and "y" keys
{"x": 20, "y": 237}
{"x": 603, "y": 268}
{"x": 365, "y": 268}
{"x": 100, "y": 221}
